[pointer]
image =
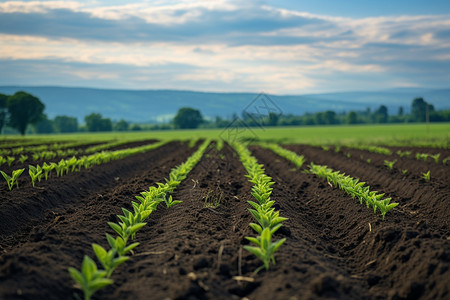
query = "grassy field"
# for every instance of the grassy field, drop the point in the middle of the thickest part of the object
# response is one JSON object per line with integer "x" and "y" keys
{"x": 434, "y": 135}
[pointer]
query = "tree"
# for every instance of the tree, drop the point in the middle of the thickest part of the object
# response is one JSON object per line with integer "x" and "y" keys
{"x": 95, "y": 122}
{"x": 419, "y": 109}
{"x": 329, "y": 117}
{"x": 273, "y": 119}
{"x": 3, "y": 110}
{"x": 122, "y": 125}
{"x": 381, "y": 114}
{"x": 352, "y": 118}
{"x": 65, "y": 124}
{"x": 188, "y": 118}
{"x": 136, "y": 127}
{"x": 24, "y": 109}
{"x": 44, "y": 125}
{"x": 400, "y": 111}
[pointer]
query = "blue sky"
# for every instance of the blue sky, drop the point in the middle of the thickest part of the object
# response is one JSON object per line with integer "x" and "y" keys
{"x": 283, "y": 47}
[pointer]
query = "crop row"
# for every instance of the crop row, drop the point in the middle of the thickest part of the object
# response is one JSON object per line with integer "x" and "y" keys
{"x": 54, "y": 150}
{"x": 75, "y": 164}
{"x": 90, "y": 278}
{"x": 350, "y": 185}
{"x": 19, "y": 149}
{"x": 263, "y": 211}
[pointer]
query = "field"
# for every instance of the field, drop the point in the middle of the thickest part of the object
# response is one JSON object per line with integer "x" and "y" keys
{"x": 338, "y": 242}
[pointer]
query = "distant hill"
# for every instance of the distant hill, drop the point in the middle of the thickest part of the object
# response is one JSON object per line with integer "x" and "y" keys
{"x": 149, "y": 106}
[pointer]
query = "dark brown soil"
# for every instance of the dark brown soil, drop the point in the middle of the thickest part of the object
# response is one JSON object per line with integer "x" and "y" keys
{"x": 335, "y": 247}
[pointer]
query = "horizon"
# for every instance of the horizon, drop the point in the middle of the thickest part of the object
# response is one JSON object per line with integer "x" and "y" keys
{"x": 279, "y": 47}
{"x": 228, "y": 92}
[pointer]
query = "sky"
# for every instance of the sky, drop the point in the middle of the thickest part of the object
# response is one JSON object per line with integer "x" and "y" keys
{"x": 280, "y": 47}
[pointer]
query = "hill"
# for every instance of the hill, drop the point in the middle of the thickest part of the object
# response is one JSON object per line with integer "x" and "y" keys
{"x": 160, "y": 105}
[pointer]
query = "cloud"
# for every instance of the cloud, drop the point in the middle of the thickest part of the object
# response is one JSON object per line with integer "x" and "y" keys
{"x": 219, "y": 45}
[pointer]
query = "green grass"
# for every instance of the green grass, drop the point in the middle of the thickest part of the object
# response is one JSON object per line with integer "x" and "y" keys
{"x": 434, "y": 135}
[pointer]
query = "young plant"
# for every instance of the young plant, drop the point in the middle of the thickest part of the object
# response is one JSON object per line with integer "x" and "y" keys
{"x": 444, "y": 161}
{"x": 119, "y": 246}
{"x": 265, "y": 247}
{"x": 369, "y": 160}
{"x": 108, "y": 259}
{"x": 2, "y": 160}
{"x": 436, "y": 157}
{"x": 404, "y": 171}
{"x": 423, "y": 156}
{"x": 129, "y": 224}
{"x": 35, "y": 173}
{"x": 385, "y": 206}
{"x": 169, "y": 202}
{"x": 23, "y": 158}
{"x": 403, "y": 153}
{"x": 10, "y": 160}
{"x": 47, "y": 169}
{"x": 90, "y": 279}
{"x": 13, "y": 179}
{"x": 426, "y": 176}
{"x": 390, "y": 164}
{"x": 60, "y": 167}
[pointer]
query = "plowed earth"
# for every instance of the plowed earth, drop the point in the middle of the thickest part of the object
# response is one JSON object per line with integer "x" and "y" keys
{"x": 335, "y": 247}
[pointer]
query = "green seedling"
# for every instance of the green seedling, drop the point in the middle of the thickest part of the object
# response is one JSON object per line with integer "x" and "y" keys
{"x": 426, "y": 176}
{"x": 369, "y": 160}
{"x": 266, "y": 216}
{"x": 17, "y": 151}
{"x": 23, "y": 158}
{"x": 47, "y": 169}
{"x": 423, "y": 156}
{"x": 337, "y": 149}
{"x": 129, "y": 224}
{"x": 170, "y": 202}
{"x": 36, "y": 156}
{"x": 436, "y": 157}
{"x": 90, "y": 279}
{"x": 348, "y": 155}
{"x": 108, "y": 259}
{"x": 9, "y": 160}
{"x": 35, "y": 173}
{"x": 60, "y": 167}
{"x": 298, "y": 160}
{"x": 119, "y": 245}
{"x": 390, "y": 164}
{"x": 385, "y": 206}
{"x": 10, "y": 180}
{"x": 265, "y": 248}
{"x": 71, "y": 163}
{"x": 2, "y": 160}
{"x": 403, "y": 153}
{"x": 404, "y": 171}
{"x": 325, "y": 148}
{"x": 444, "y": 161}
{"x": 219, "y": 144}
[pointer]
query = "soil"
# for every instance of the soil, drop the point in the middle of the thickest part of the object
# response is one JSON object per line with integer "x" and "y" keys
{"x": 335, "y": 247}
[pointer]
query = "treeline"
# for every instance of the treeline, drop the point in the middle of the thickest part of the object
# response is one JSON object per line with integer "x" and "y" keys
{"x": 421, "y": 111}
{"x": 20, "y": 110}
{"x": 94, "y": 122}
